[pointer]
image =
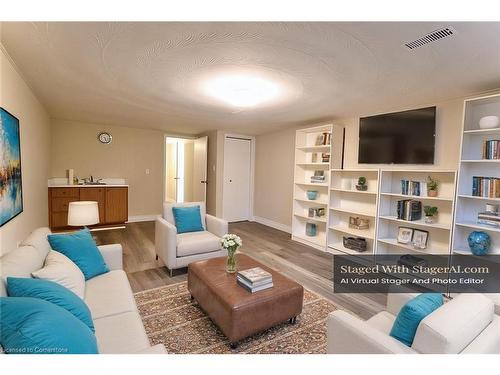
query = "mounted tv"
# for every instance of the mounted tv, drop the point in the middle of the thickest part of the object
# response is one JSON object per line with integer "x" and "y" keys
{"x": 406, "y": 137}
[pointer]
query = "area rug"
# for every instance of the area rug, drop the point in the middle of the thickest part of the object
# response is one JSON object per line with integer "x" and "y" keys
{"x": 172, "y": 319}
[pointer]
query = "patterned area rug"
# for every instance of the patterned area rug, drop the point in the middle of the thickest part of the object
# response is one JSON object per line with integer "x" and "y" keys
{"x": 171, "y": 319}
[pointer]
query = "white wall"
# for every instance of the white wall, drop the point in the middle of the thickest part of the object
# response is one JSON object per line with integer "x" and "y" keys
{"x": 17, "y": 98}
{"x": 275, "y": 158}
{"x": 132, "y": 151}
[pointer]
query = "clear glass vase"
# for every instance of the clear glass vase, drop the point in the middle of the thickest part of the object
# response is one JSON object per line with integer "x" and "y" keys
{"x": 231, "y": 260}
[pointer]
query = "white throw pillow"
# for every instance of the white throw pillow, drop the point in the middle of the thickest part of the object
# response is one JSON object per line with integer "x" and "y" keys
{"x": 60, "y": 269}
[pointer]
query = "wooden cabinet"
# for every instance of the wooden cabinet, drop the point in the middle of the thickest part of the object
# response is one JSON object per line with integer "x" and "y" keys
{"x": 116, "y": 205}
{"x": 112, "y": 201}
{"x": 97, "y": 194}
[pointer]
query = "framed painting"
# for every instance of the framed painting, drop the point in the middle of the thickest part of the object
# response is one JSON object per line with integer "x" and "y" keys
{"x": 11, "y": 186}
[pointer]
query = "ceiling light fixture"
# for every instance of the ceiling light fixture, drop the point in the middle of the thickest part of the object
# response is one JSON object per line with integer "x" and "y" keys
{"x": 241, "y": 90}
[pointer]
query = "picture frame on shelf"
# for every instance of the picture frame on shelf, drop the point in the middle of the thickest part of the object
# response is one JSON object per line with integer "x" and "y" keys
{"x": 358, "y": 223}
{"x": 405, "y": 235}
{"x": 420, "y": 237}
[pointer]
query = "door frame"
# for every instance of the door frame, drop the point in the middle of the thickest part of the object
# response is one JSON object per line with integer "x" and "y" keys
{"x": 164, "y": 171}
{"x": 252, "y": 170}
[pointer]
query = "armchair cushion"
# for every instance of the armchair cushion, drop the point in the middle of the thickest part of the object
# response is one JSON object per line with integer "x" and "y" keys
{"x": 412, "y": 313}
{"x": 187, "y": 219}
{"x": 197, "y": 243}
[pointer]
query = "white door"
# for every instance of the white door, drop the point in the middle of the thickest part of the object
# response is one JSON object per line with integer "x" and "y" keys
{"x": 200, "y": 169}
{"x": 237, "y": 170}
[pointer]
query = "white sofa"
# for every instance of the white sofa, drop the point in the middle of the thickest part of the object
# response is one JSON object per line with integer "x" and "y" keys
{"x": 118, "y": 326}
{"x": 178, "y": 250}
{"x": 466, "y": 324}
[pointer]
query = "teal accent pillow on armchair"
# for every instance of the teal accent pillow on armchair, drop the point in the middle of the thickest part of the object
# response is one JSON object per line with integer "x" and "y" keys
{"x": 187, "y": 219}
{"x": 81, "y": 248}
{"x": 35, "y": 326}
{"x": 51, "y": 292}
{"x": 412, "y": 313}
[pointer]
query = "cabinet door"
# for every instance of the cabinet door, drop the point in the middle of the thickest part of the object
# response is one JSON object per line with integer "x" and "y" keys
{"x": 96, "y": 194}
{"x": 116, "y": 205}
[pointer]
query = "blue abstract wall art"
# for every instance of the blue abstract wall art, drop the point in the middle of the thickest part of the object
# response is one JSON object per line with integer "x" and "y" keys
{"x": 11, "y": 187}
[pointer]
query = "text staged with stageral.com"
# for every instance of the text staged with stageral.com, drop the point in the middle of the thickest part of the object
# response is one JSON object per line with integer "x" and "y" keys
{"x": 430, "y": 273}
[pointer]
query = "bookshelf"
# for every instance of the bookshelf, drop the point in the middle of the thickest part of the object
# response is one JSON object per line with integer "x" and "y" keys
{"x": 388, "y": 223}
{"x": 309, "y": 152}
{"x": 345, "y": 201}
{"x": 472, "y": 164}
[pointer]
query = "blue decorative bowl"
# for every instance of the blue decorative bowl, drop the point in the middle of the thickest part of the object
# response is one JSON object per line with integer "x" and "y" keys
{"x": 479, "y": 242}
{"x": 312, "y": 194}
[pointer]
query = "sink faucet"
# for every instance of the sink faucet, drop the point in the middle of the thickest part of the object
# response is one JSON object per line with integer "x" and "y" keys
{"x": 91, "y": 180}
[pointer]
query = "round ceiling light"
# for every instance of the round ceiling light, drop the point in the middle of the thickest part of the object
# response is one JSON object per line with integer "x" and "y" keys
{"x": 241, "y": 90}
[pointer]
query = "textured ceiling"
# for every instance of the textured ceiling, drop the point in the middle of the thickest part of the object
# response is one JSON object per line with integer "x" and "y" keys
{"x": 148, "y": 74}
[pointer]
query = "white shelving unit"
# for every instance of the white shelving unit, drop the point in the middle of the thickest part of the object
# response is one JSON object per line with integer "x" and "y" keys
{"x": 345, "y": 202}
{"x": 472, "y": 164}
{"x": 306, "y": 145}
{"x": 440, "y": 232}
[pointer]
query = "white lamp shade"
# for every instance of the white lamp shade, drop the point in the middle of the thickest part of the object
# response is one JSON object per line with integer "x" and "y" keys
{"x": 83, "y": 213}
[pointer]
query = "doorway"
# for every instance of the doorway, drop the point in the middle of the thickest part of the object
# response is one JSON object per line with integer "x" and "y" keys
{"x": 185, "y": 169}
{"x": 238, "y": 178}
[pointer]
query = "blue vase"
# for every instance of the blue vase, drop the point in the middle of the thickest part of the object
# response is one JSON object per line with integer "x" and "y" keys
{"x": 479, "y": 242}
{"x": 312, "y": 194}
{"x": 311, "y": 229}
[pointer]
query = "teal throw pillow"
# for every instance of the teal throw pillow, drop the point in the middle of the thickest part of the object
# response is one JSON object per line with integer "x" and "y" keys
{"x": 81, "y": 248}
{"x": 35, "y": 326}
{"x": 187, "y": 219}
{"x": 51, "y": 292}
{"x": 412, "y": 313}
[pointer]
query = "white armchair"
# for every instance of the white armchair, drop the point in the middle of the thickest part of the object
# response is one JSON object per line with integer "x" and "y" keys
{"x": 178, "y": 250}
{"x": 466, "y": 324}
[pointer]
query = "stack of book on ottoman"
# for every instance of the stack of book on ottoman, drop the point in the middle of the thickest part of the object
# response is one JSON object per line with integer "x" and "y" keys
{"x": 254, "y": 279}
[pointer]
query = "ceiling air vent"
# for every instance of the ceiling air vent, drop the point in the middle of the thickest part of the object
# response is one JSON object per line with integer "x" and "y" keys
{"x": 431, "y": 37}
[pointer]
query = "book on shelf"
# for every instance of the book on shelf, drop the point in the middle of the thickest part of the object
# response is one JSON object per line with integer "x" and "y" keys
{"x": 409, "y": 210}
{"x": 488, "y": 218}
{"x": 491, "y": 149}
{"x": 318, "y": 177}
{"x": 486, "y": 187}
{"x": 411, "y": 187}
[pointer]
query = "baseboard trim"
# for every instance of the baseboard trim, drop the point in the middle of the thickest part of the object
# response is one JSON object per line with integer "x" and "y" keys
{"x": 273, "y": 224}
{"x": 139, "y": 218}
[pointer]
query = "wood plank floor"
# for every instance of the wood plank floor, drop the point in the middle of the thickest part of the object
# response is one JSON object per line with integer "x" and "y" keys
{"x": 310, "y": 267}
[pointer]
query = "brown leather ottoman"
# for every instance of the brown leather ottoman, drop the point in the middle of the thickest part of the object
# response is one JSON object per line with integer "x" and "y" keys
{"x": 237, "y": 312}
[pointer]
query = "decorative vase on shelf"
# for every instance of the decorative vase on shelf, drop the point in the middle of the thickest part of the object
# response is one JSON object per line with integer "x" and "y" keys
{"x": 429, "y": 219}
{"x": 479, "y": 242}
{"x": 489, "y": 122}
{"x": 231, "y": 243}
{"x": 312, "y": 195}
{"x": 311, "y": 229}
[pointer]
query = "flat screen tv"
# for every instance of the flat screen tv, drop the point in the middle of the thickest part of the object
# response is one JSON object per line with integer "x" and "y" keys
{"x": 398, "y": 138}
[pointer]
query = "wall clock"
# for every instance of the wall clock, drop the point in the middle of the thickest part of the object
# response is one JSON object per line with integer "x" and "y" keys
{"x": 105, "y": 138}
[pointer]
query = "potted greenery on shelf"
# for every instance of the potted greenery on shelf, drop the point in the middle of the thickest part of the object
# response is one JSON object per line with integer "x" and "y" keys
{"x": 430, "y": 213}
{"x": 362, "y": 186}
{"x": 432, "y": 187}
